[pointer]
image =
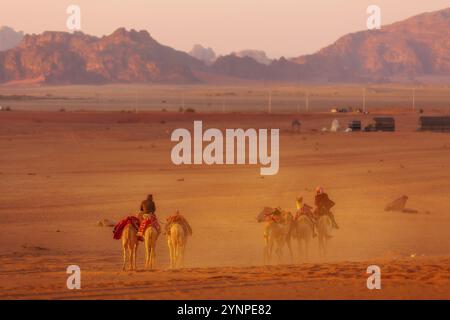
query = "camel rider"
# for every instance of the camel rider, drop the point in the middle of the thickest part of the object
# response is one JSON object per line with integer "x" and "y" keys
{"x": 304, "y": 209}
{"x": 147, "y": 208}
{"x": 323, "y": 205}
{"x": 148, "y": 205}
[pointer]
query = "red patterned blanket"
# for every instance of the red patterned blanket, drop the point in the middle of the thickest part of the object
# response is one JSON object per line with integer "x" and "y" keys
{"x": 118, "y": 229}
{"x": 150, "y": 221}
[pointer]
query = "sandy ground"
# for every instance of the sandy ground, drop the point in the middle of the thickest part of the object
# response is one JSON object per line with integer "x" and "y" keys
{"x": 62, "y": 172}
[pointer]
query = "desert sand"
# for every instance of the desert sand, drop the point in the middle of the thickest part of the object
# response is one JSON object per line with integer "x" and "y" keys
{"x": 61, "y": 172}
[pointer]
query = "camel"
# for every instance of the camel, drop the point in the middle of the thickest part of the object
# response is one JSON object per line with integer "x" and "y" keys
{"x": 324, "y": 233}
{"x": 150, "y": 238}
{"x": 176, "y": 240}
{"x": 276, "y": 235}
{"x": 129, "y": 245}
{"x": 304, "y": 234}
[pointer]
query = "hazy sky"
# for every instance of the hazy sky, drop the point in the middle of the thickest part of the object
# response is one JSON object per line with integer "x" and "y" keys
{"x": 280, "y": 27}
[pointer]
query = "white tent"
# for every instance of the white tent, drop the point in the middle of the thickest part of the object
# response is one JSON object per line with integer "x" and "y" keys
{"x": 335, "y": 126}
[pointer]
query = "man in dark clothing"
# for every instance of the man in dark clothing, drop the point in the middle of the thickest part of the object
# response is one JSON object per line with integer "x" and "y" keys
{"x": 323, "y": 206}
{"x": 148, "y": 205}
{"x": 148, "y": 209}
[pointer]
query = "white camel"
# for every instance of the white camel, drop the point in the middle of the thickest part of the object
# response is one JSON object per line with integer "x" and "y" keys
{"x": 150, "y": 237}
{"x": 304, "y": 235}
{"x": 129, "y": 245}
{"x": 324, "y": 233}
{"x": 176, "y": 240}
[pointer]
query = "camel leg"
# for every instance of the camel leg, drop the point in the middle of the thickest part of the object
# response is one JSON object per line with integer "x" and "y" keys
{"x": 134, "y": 256}
{"x": 270, "y": 251}
{"x": 322, "y": 247}
{"x": 130, "y": 256}
{"x": 291, "y": 254}
{"x": 175, "y": 254}
{"x": 124, "y": 249}
{"x": 279, "y": 252}
{"x": 266, "y": 250}
{"x": 146, "y": 254}
{"x": 130, "y": 250}
{"x": 150, "y": 256}
{"x": 183, "y": 249}
{"x": 181, "y": 254}
{"x": 306, "y": 251}
{"x": 300, "y": 249}
{"x": 169, "y": 244}
{"x": 153, "y": 257}
{"x": 173, "y": 260}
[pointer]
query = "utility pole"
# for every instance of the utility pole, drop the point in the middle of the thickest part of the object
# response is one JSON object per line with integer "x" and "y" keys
{"x": 223, "y": 104}
{"x": 364, "y": 99}
{"x": 136, "y": 101}
{"x": 270, "y": 101}
{"x": 307, "y": 101}
{"x": 414, "y": 100}
{"x": 182, "y": 100}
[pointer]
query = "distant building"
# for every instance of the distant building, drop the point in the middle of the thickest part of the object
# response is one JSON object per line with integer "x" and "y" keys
{"x": 384, "y": 124}
{"x": 441, "y": 124}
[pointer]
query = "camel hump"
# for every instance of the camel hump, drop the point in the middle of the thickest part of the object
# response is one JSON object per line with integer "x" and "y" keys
{"x": 180, "y": 220}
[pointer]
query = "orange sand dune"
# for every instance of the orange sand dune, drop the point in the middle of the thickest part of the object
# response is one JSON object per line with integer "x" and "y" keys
{"x": 413, "y": 278}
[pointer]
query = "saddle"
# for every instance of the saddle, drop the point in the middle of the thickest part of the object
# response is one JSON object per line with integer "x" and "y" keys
{"x": 118, "y": 228}
{"x": 307, "y": 211}
{"x": 151, "y": 220}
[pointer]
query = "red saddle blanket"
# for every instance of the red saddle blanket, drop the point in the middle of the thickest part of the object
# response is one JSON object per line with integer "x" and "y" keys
{"x": 269, "y": 217}
{"x": 118, "y": 228}
{"x": 150, "y": 221}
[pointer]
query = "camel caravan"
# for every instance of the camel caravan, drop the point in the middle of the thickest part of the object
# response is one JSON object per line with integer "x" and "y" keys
{"x": 282, "y": 227}
{"x": 145, "y": 227}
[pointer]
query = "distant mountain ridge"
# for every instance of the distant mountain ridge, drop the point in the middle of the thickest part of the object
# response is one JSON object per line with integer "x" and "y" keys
{"x": 9, "y": 38}
{"x": 418, "y": 46}
{"x": 403, "y": 51}
{"x": 123, "y": 56}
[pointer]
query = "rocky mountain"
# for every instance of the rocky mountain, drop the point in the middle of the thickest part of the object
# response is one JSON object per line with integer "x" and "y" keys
{"x": 123, "y": 56}
{"x": 248, "y": 68}
{"x": 419, "y": 46}
{"x": 9, "y": 38}
{"x": 404, "y": 51}
{"x": 257, "y": 55}
{"x": 207, "y": 55}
